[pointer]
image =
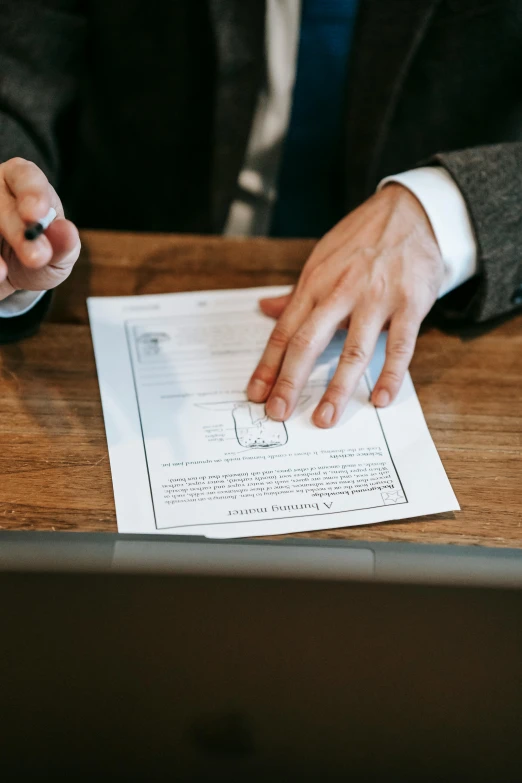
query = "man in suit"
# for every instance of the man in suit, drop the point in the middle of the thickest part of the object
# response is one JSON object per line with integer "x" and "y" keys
{"x": 282, "y": 117}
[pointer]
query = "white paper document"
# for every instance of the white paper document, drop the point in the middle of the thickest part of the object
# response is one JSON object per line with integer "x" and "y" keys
{"x": 191, "y": 455}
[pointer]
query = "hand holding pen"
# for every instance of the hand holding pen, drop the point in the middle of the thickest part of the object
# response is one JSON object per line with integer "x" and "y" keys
{"x": 34, "y": 230}
{"x": 38, "y": 246}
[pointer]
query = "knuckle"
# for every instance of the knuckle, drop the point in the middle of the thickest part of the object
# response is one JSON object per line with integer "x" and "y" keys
{"x": 401, "y": 348}
{"x": 407, "y": 300}
{"x": 301, "y": 342}
{"x": 353, "y": 354}
{"x": 279, "y": 337}
{"x": 378, "y": 287}
{"x": 314, "y": 279}
{"x": 307, "y": 270}
{"x": 300, "y": 300}
{"x": 16, "y": 162}
{"x": 336, "y": 391}
{"x": 343, "y": 286}
{"x": 409, "y": 310}
{"x": 391, "y": 377}
{"x": 367, "y": 252}
{"x": 410, "y": 315}
{"x": 20, "y": 166}
{"x": 346, "y": 287}
{"x": 304, "y": 279}
{"x": 264, "y": 373}
{"x": 285, "y": 385}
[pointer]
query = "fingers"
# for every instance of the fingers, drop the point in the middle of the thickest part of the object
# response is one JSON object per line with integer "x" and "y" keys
{"x": 275, "y": 306}
{"x": 365, "y": 327}
{"x": 29, "y": 187}
{"x": 311, "y": 339}
{"x": 400, "y": 346}
{"x": 65, "y": 241}
{"x": 33, "y": 254}
{"x": 302, "y": 334}
{"x": 302, "y": 352}
{"x": 267, "y": 370}
{"x": 25, "y": 196}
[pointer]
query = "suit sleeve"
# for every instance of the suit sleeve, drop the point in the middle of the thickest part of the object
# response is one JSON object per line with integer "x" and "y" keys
{"x": 21, "y": 326}
{"x": 490, "y": 180}
{"x": 41, "y": 46}
{"x": 41, "y": 54}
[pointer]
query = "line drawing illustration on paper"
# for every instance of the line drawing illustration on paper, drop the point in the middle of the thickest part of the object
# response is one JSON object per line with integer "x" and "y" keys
{"x": 149, "y": 344}
{"x": 391, "y": 498}
{"x": 252, "y": 427}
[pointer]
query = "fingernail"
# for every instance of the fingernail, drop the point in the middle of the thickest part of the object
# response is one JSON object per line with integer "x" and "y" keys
{"x": 257, "y": 389}
{"x": 325, "y": 414}
{"x": 276, "y": 408}
{"x": 382, "y": 398}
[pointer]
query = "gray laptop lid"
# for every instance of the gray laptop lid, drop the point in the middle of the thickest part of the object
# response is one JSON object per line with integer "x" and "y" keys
{"x": 188, "y": 660}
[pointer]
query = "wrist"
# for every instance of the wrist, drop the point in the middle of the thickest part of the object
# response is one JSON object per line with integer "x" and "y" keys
{"x": 410, "y": 217}
{"x": 449, "y": 219}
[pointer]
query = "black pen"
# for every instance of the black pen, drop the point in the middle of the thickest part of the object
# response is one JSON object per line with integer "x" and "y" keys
{"x": 34, "y": 230}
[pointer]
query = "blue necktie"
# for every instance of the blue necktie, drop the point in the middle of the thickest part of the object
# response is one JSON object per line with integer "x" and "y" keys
{"x": 310, "y": 183}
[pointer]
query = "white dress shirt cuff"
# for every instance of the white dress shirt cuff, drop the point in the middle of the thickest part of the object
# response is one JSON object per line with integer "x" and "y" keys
{"x": 447, "y": 212}
{"x": 19, "y": 303}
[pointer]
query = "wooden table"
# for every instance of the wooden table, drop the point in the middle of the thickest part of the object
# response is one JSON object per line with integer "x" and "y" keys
{"x": 54, "y": 463}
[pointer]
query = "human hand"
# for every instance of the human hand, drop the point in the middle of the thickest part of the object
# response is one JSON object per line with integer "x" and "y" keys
{"x": 380, "y": 266}
{"x": 38, "y": 265}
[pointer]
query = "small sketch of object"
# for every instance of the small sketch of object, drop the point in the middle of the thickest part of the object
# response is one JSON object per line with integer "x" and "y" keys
{"x": 149, "y": 344}
{"x": 391, "y": 498}
{"x": 253, "y": 428}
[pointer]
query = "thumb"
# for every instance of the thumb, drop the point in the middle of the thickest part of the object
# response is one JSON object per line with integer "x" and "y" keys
{"x": 274, "y": 305}
{"x": 65, "y": 241}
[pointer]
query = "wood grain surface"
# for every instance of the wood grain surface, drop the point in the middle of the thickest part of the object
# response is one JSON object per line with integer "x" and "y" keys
{"x": 54, "y": 464}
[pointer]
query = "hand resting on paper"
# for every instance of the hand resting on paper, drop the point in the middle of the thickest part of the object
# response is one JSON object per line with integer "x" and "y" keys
{"x": 380, "y": 267}
{"x": 25, "y": 197}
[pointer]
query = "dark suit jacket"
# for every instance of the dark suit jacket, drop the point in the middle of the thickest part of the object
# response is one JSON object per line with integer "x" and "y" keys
{"x": 139, "y": 112}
